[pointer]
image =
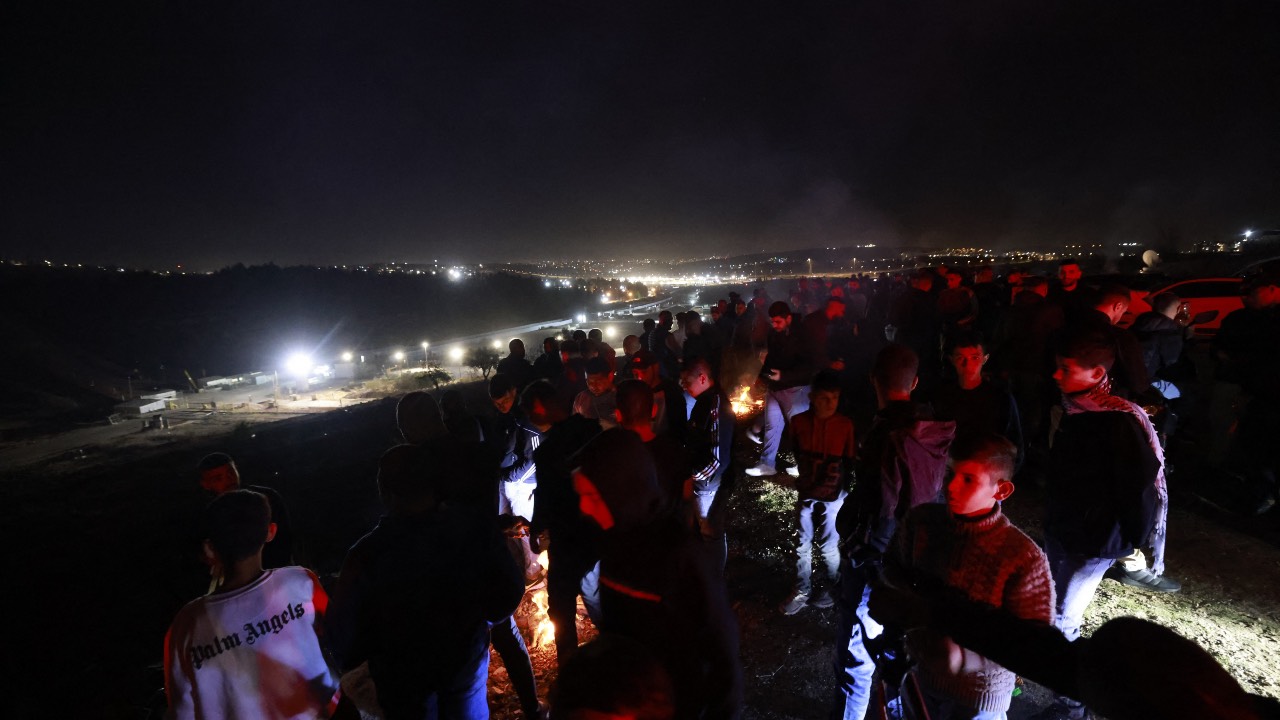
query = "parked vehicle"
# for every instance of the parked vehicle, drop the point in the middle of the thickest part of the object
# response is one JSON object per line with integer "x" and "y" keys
{"x": 1222, "y": 294}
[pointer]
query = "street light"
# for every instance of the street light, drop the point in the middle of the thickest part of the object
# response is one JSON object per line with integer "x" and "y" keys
{"x": 298, "y": 364}
{"x": 425, "y": 344}
{"x": 455, "y": 353}
{"x": 497, "y": 344}
{"x": 347, "y": 356}
{"x": 399, "y": 356}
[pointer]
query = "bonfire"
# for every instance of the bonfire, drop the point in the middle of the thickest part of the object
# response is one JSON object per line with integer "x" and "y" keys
{"x": 743, "y": 404}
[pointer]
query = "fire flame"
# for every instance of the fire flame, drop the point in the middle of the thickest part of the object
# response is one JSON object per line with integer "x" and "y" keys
{"x": 544, "y": 631}
{"x": 743, "y": 404}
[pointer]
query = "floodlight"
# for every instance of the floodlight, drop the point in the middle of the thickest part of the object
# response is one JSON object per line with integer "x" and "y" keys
{"x": 456, "y": 354}
{"x": 298, "y": 364}
{"x": 425, "y": 344}
{"x": 346, "y": 356}
{"x": 399, "y": 355}
{"x": 497, "y": 344}
{"x": 611, "y": 332}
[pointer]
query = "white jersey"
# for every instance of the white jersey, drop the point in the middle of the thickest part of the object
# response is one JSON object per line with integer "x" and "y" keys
{"x": 252, "y": 652}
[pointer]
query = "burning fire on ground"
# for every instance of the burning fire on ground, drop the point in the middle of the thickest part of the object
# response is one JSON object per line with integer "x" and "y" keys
{"x": 743, "y": 404}
{"x": 540, "y": 625}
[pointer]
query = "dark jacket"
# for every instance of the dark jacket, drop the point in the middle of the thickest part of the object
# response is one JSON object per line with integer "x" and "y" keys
{"x": 902, "y": 463}
{"x": 415, "y": 597}
{"x": 790, "y": 354}
{"x": 1161, "y": 338}
{"x": 1101, "y": 487}
{"x": 555, "y": 505}
{"x": 656, "y": 585}
{"x": 988, "y": 408}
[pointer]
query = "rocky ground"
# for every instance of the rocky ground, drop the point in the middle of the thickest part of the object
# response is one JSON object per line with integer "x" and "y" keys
{"x": 100, "y": 556}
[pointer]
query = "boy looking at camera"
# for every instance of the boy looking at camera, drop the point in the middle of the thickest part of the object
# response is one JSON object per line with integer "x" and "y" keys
{"x": 968, "y": 546}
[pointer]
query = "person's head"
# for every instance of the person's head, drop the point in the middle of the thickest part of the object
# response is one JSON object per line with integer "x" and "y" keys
{"x": 1263, "y": 292}
{"x": 648, "y": 324}
{"x": 664, "y": 319}
{"x": 502, "y": 391}
{"x": 739, "y": 306}
{"x": 542, "y": 404}
{"x": 404, "y": 480}
{"x": 968, "y": 355}
{"x": 953, "y": 279}
{"x": 595, "y": 335}
{"x": 983, "y": 275}
{"x": 644, "y": 366}
{"x": 1035, "y": 284}
{"x": 453, "y": 404}
{"x": 1158, "y": 665}
{"x": 824, "y": 394}
{"x": 1112, "y": 301}
{"x": 835, "y": 307}
{"x": 550, "y": 346}
{"x": 922, "y": 280}
{"x": 579, "y": 336}
{"x": 630, "y": 345}
{"x": 516, "y": 347}
{"x": 780, "y": 316}
{"x": 981, "y": 473}
{"x": 1069, "y": 273}
{"x": 599, "y": 376}
{"x": 570, "y": 349}
{"x": 635, "y": 405}
{"x": 236, "y": 525}
{"x": 1083, "y": 359}
{"x": 613, "y": 677}
{"x": 1166, "y": 303}
{"x": 893, "y": 375}
{"x": 696, "y": 377}
{"x": 716, "y": 313}
{"x": 419, "y": 419}
{"x": 218, "y": 473}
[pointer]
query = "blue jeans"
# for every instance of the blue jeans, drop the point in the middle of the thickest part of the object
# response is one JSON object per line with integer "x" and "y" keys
{"x": 779, "y": 407}
{"x": 817, "y": 521}
{"x": 1075, "y": 579}
{"x": 939, "y": 707}
{"x": 462, "y": 697}
{"x": 568, "y": 577}
{"x": 853, "y": 664}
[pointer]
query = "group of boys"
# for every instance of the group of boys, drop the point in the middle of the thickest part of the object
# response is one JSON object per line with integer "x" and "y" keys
{"x": 624, "y": 480}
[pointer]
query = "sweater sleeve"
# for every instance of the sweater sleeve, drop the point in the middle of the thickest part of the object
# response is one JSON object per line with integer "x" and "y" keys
{"x": 1029, "y": 591}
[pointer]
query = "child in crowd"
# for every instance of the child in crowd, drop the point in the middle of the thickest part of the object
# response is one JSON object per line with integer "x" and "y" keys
{"x": 969, "y": 546}
{"x": 824, "y": 447}
{"x": 251, "y": 648}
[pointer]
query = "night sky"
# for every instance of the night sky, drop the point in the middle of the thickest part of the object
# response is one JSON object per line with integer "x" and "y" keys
{"x": 156, "y": 133}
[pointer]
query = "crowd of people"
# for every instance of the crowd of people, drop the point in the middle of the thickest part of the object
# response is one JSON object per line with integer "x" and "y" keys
{"x": 902, "y": 412}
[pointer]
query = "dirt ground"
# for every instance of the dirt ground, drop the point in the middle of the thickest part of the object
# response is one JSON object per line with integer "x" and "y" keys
{"x": 101, "y": 555}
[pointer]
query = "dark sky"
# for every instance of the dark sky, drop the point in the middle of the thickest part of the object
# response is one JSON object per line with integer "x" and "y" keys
{"x": 157, "y": 133}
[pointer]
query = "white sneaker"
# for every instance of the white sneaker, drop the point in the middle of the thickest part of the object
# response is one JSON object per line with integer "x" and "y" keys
{"x": 797, "y": 603}
{"x": 794, "y": 471}
{"x": 761, "y": 470}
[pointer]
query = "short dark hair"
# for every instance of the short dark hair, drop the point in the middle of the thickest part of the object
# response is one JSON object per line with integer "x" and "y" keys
{"x": 597, "y": 366}
{"x": 1031, "y": 282}
{"x": 579, "y": 335}
{"x": 1164, "y": 301}
{"x": 635, "y": 401}
{"x": 1068, "y": 261}
{"x": 1112, "y": 293}
{"x": 236, "y": 524}
{"x": 500, "y": 384}
{"x": 595, "y": 334}
{"x": 1089, "y": 348}
{"x": 541, "y": 391}
{"x": 699, "y": 364}
{"x": 404, "y": 480}
{"x": 570, "y": 346}
{"x": 649, "y": 323}
{"x": 779, "y": 308}
{"x": 825, "y": 381}
{"x": 213, "y": 460}
{"x": 991, "y": 449}
{"x": 895, "y": 367}
{"x": 966, "y": 338}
